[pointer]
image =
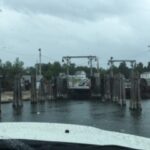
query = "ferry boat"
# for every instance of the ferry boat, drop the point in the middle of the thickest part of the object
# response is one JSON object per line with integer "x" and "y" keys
{"x": 79, "y": 85}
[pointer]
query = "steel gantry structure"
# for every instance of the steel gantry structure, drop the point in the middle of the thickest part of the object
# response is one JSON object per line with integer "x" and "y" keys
{"x": 90, "y": 58}
{"x": 112, "y": 61}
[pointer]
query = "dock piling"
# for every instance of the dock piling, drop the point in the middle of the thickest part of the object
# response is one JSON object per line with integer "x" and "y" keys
{"x": 0, "y": 94}
{"x": 41, "y": 91}
{"x": 118, "y": 89}
{"x": 33, "y": 90}
{"x": 107, "y": 95}
{"x": 17, "y": 97}
{"x": 135, "y": 102}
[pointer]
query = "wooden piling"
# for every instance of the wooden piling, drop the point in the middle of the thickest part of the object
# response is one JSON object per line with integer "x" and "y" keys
{"x": 0, "y": 94}
{"x": 115, "y": 88}
{"x": 33, "y": 90}
{"x": 54, "y": 88}
{"x": 48, "y": 90}
{"x": 64, "y": 88}
{"x": 107, "y": 88}
{"x": 17, "y": 97}
{"x": 119, "y": 89}
{"x": 51, "y": 90}
{"x": 102, "y": 87}
{"x": 41, "y": 91}
{"x": 61, "y": 87}
{"x": 135, "y": 101}
{"x": 111, "y": 82}
{"x": 122, "y": 97}
{"x": 95, "y": 86}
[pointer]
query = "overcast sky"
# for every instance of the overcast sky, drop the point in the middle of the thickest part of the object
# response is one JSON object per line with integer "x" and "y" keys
{"x": 105, "y": 28}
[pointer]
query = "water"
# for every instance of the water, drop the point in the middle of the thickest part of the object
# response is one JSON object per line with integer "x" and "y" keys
{"x": 106, "y": 115}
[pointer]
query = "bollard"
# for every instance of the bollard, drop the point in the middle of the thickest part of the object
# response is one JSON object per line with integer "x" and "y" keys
{"x": 17, "y": 97}
{"x": 33, "y": 90}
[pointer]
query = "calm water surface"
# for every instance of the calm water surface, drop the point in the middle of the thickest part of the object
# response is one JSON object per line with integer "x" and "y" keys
{"x": 95, "y": 113}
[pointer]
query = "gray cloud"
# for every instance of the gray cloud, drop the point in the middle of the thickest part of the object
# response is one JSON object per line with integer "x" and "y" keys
{"x": 74, "y": 9}
{"x": 71, "y": 27}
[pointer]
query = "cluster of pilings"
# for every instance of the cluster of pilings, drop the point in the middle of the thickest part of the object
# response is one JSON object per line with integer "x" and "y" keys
{"x": 61, "y": 87}
{"x": 117, "y": 85}
{"x": 40, "y": 91}
{"x": 118, "y": 89}
{"x": 108, "y": 87}
{"x": 113, "y": 88}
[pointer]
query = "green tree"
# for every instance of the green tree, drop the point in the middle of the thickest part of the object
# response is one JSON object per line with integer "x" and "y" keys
{"x": 18, "y": 67}
{"x": 56, "y": 68}
{"x": 115, "y": 69}
{"x": 72, "y": 68}
{"x": 124, "y": 69}
{"x": 139, "y": 67}
{"x": 148, "y": 67}
{"x": 47, "y": 70}
{"x": 7, "y": 69}
{"x": 30, "y": 71}
{"x": 83, "y": 68}
{"x": 1, "y": 67}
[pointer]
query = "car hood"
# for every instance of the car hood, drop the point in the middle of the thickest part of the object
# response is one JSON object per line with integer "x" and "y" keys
{"x": 69, "y": 133}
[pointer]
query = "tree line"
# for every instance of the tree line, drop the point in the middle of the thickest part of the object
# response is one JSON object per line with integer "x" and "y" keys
{"x": 8, "y": 69}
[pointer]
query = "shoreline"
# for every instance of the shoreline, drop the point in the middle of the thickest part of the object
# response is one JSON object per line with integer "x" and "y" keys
{"x": 7, "y": 97}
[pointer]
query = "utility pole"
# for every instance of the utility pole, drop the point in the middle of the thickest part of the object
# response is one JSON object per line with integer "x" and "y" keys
{"x": 36, "y": 68}
{"x": 40, "y": 67}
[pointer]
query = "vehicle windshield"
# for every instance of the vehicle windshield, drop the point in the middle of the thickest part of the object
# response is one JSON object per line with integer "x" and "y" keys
{"x": 77, "y": 62}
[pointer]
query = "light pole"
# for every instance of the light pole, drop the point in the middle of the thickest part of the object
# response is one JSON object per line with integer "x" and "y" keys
{"x": 40, "y": 67}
